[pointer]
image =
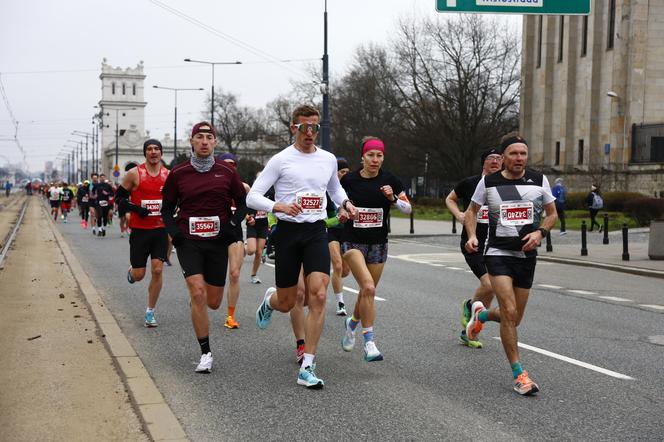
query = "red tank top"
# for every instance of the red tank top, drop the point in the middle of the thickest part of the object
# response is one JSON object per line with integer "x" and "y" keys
{"x": 148, "y": 194}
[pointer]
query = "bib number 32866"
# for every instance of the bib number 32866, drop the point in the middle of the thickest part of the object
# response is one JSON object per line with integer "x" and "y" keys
{"x": 368, "y": 217}
{"x": 516, "y": 214}
{"x": 204, "y": 226}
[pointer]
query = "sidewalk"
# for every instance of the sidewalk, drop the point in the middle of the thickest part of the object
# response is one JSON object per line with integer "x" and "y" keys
{"x": 566, "y": 249}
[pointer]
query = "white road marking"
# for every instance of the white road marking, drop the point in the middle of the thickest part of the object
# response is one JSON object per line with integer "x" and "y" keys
{"x": 656, "y": 307}
{"x": 575, "y": 362}
{"x": 613, "y": 298}
{"x": 582, "y": 292}
{"x": 547, "y": 286}
{"x": 357, "y": 292}
{"x": 455, "y": 268}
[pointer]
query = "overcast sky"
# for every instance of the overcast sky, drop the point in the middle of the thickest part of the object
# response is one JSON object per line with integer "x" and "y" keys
{"x": 51, "y": 54}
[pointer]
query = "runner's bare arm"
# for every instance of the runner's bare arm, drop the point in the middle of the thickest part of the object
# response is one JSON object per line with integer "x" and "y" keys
{"x": 470, "y": 223}
{"x": 533, "y": 239}
{"x": 452, "y": 204}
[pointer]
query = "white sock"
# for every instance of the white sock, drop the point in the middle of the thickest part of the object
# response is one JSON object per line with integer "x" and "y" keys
{"x": 267, "y": 301}
{"x": 339, "y": 296}
{"x": 149, "y": 310}
{"x": 308, "y": 360}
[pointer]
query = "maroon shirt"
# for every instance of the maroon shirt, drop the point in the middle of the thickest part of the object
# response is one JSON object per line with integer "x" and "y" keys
{"x": 205, "y": 194}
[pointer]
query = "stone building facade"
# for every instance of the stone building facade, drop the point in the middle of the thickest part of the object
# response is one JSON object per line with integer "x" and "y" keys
{"x": 592, "y": 96}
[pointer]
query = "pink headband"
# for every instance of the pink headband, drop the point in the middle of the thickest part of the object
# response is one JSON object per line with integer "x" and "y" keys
{"x": 373, "y": 145}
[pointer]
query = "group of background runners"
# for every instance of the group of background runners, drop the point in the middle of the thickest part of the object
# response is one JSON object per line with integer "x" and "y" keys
{"x": 317, "y": 213}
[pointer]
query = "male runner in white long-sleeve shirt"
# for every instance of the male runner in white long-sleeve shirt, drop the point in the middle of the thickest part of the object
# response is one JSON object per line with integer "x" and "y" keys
{"x": 300, "y": 174}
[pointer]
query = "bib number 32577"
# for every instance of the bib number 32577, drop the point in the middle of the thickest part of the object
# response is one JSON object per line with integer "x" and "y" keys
{"x": 204, "y": 226}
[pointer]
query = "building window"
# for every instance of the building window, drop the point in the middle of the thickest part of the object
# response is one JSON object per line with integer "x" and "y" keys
{"x": 561, "y": 36}
{"x": 584, "y": 36}
{"x": 113, "y": 88}
{"x": 657, "y": 150}
{"x": 557, "y": 153}
{"x": 124, "y": 89}
{"x": 539, "y": 41}
{"x": 580, "y": 153}
{"x": 612, "y": 24}
{"x": 133, "y": 89}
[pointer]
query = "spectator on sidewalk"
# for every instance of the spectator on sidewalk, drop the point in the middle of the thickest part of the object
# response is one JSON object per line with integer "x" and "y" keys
{"x": 595, "y": 203}
{"x": 8, "y": 188}
{"x": 560, "y": 193}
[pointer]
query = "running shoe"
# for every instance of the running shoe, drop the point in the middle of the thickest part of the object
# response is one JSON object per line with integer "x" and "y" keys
{"x": 103, "y": 232}
{"x": 263, "y": 256}
{"x": 168, "y": 262}
{"x": 205, "y": 365}
{"x": 255, "y": 279}
{"x": 474, "y": 326}
{"x": 341, "y": 309}
{"x": 524, "y": 385}
{"x": 465, "y": 313}
{"x": 150, "y": 321}
{"x": 231, "y": 322}
{"x": 348, "y": 341}
{"x": 264, "y": 313}
{"x": 371, "y": 353}
{"x": 130, "y": 278}
{"x": 299, "y": 353}
{"x": 467, "y": 342}
{"x": 94, "y": 231}
{"x": 308, "y": 378}
{"x": 122, "y": 235}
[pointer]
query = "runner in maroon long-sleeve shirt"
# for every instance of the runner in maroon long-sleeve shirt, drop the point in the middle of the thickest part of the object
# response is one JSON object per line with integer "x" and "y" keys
{"x": 203, "y": 189}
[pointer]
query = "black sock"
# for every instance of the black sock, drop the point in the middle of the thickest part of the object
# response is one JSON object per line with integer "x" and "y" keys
{"x": 469, "y": 305}
{"x": 204, "y": 342}
{"x": 300, "y": 342}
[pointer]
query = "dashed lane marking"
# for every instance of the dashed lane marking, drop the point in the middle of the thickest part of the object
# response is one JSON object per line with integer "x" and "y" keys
{"x": 592, "y": 367}
{"x": 582, "y": 292}
{"x": 547, "y": 286}
{"x": 614, "y": 298}
{"x": 656, "y": 307}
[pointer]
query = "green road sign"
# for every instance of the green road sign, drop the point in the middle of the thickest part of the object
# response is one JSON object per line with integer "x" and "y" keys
{"x": 537, "y": 7}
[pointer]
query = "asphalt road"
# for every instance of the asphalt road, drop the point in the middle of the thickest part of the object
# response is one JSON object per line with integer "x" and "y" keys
{"x": 429, "y": 387}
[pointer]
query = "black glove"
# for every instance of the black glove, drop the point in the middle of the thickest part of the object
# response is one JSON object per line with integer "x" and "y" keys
{"x": 142, "y": 212}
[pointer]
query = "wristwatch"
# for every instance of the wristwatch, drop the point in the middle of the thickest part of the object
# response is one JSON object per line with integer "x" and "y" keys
{"x": 543, "y": 231}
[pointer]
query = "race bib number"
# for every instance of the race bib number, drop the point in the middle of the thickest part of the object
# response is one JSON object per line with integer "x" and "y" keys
{"x": 368, "y": 217}
{"x": 260, "y": 214}
{"x": 204, "y": 226}
{"x": 84, "y": 199}
{"x": 516, "y": 214}
{"x": 310, "y": 202}
{"x": 154, "y": 206}
{"x": 483, "y": 215}
{"x": 103, "y": 203}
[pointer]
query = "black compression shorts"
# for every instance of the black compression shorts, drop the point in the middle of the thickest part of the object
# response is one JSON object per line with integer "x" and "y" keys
{"x": 258, "y": 230}
{"x": 204, "y": 257}
{"x": 476, "y": 263}
{"x": 334, "y": 234}
{"x": 300, "y": 244}
{"x": 147, "y": 242}
{"x": 521, "y": 270}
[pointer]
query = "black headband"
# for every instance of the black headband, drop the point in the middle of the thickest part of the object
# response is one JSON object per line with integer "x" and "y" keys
{"x": 512, "y": 140}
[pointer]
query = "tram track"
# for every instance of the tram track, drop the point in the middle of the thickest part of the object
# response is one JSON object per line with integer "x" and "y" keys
{"x": 12, "y": 213}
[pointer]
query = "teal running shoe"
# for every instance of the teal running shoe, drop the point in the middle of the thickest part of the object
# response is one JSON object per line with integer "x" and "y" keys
{"x": 264, "y": 313}
{"x": 371, "y": 353}
{"x": 130, "y": 278}
{"x": 465, "y": 313}
{"x": 308, "y": 378}
{"x": 150, "y": 320}
{"x": 348, "y": 340}
{"x": 463, "y": 338}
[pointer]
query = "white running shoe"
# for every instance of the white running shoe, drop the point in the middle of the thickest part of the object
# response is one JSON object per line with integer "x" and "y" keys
{"x": 205, "y": 366}
{"x": 255, "y": 279}
{"x": 371, "y": 352}
{"x": 348, "y": 340}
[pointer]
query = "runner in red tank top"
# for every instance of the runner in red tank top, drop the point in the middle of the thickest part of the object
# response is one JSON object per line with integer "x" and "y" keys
{"x": 148, "y": 235}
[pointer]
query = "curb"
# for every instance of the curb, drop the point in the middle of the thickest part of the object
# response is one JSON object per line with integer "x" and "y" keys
{"x": 601, "y": 265}
{"x": 158, "y": 419}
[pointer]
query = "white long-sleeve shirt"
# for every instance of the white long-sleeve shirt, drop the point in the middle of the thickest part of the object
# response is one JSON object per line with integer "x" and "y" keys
{"x": 301, "y": 177}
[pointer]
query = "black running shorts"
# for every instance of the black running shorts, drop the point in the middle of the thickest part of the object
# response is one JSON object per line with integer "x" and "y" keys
{"x": 147, "y": 242}
{"x": 54, "y": 204}
{"x": 521, "y": 270}
{"x": 204, "y": 257}
{"x": 300, "y": 245}
{"x": 334, "y": 234}
{"x": 476, "y": 263}
{"x": 258, "y": 230}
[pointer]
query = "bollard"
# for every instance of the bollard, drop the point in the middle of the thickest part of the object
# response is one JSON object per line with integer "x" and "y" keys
{"x": 412, "y": 222}
{"x": 606, "y": 229}
{"x": 584, "y": 248}
{"x": 549, "y": 246}
{"x": 454, "y": 224}
{"x": 625, "y": 255}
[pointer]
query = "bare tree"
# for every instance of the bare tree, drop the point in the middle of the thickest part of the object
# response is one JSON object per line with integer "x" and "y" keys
{"x": 234, "y": 123}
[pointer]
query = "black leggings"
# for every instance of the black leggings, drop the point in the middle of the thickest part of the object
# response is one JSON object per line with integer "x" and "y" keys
{"x": 102, "y": 215}
{"x": 593, "y": 220}
{"x": 85, "y": 211}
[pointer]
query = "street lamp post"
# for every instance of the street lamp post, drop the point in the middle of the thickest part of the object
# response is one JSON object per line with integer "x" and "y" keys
{"x": 212, "y": 63}
{"x": 175, "y": 124}
{"x": 80, "y": 133}
{"x": 117, "y": 142}
{"x": 325, "y": 123}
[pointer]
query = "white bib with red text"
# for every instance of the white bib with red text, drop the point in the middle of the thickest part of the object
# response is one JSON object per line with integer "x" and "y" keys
{"x": 154, "y": 206}
{"x": 204, "y": 226}
{"x": 516, "y": 213}
{"x": 310, "y": 202}
{"x": 483, "y": 215}
{"x": 368, "y": 217}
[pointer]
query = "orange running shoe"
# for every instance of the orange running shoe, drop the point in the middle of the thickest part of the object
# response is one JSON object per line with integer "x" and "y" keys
{"x": 524, "y": 385}
{"x": 231, "y": 322}
{"x": 474, "y": 326}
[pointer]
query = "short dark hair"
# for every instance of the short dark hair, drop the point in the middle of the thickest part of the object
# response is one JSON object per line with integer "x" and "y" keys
{"x": 304, "y": 111}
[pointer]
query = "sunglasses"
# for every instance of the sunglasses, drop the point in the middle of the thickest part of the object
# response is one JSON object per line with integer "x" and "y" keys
{"x": 304, "y": 127}
{"x": 494, "y": 158}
